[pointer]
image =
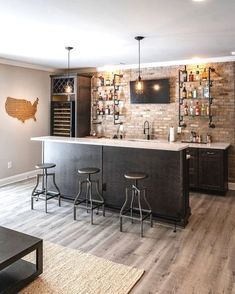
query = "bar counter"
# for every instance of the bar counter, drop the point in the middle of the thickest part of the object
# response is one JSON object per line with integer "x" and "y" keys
{"x": 165, "y": 164}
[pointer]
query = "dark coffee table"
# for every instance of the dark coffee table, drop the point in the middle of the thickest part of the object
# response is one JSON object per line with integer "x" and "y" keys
{"x": 16, "y": 273}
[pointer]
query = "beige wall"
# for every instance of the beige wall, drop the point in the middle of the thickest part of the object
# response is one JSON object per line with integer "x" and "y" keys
{"x": 15, "y": 144}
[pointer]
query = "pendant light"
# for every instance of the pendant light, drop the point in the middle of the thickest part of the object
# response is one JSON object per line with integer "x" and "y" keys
{"x": 139, "y": 85}
{"x": 68, "y": 87}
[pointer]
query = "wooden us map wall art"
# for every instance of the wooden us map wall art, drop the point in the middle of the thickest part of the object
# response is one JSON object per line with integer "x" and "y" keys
{"x": 21, "y": 109}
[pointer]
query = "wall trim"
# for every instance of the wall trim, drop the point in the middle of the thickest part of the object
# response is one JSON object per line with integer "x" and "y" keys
{"x": 26, "y": 65}
{"x": 17, "y": 178}
{"x": 167, "y": 63}
{"x": 231, "y": 186}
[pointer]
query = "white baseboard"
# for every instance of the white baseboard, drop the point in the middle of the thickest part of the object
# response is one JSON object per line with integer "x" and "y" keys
{"x": 17, "y": 178}
{"x": 231, "y": 186}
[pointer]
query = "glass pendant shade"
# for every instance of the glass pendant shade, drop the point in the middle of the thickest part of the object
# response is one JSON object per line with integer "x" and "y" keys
{"x": 139, "y": 86}
{"x": 68, "y": 88}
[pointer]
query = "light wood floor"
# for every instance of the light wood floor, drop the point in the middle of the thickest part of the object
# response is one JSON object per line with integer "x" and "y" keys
{"x": 196, "y": 260}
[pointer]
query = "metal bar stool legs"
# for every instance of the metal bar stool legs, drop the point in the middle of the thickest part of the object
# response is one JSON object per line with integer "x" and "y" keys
{"x": 90, "y": 202}
{"x": 44, "y": 192}
{"x": 139, "y": 196}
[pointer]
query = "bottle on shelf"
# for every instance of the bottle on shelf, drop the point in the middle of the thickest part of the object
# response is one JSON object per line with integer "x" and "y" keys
{"x": 184, "y": 93}
{"x": 191, "y": 77}
{"x": 203, "y": 110}
{"x": 204, "y": 75}
{"x": 206, "y": 91}
{"x": 200, "y": 90}
{"x": 195, "y": 93}
{"x": 197, "y": 109}
{"x": 185, "y": 74}
{"x": 207, "y": 110}
{"x": 191, "y": 109}
{"x": 185, "y": 109}
{"x": 190, "y": 92}
{"x": 110, "y": 95}
{"x": 107, "y": 110}
{"x": 101, "y": 81}
{"x": 197, "y": 74}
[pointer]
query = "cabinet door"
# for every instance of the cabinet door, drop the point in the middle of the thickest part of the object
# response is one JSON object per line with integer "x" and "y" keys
{"x": 211, "y": 171}
{"x": 193, "y": 167}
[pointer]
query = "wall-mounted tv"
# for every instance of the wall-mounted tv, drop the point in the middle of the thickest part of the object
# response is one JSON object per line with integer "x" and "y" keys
{"x": 155, "y": 91}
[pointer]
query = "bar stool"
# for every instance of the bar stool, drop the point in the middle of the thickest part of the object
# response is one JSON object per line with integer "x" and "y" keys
{"x": 44, "y": 189}
{"x": 91, "y": 203}
{"x": 140, "y": 196}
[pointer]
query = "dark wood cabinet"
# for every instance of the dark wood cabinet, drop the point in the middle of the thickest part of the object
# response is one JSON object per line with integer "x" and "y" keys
{"x": 208, "y": 169}
{"x": 193, "y": 167}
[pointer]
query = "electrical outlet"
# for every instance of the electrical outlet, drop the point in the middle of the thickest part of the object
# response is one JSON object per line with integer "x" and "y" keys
{"x": 9, "y": 164}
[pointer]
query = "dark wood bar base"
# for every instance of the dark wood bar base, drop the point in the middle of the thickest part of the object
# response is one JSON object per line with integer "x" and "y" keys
{"x": 166, "y": 184}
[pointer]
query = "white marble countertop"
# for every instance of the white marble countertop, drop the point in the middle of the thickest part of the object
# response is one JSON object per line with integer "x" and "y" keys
{"x": 215, "y": 145}
{"x": 132, "y": 143}
{"x": 128, "y": 143}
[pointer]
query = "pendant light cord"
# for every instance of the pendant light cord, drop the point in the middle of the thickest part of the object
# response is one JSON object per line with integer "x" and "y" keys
{"x": 68, "y": 61}
{"x": 139, "y": 59}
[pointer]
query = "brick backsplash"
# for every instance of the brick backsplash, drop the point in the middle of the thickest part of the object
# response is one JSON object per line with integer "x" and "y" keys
{"x": 162, "y": 116}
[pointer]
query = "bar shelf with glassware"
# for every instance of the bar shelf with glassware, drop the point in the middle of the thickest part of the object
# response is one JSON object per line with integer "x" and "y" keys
{"x": 195, "y": 97}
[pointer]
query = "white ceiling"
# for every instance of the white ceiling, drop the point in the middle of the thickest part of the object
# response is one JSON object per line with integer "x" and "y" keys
{"x": 102, "y": 31}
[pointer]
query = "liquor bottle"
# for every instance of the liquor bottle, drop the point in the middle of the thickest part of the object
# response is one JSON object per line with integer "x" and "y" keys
{"x": 207, "y": 110}
{"x": 197, "y": 74}
{"x": 186, "y": 109}
{"x": 200, "y": 90}
{"x": 203, "y": 109}
{"x": 100, "y": 97}
{"x": 97, "y": 111}
{"x": 197, "y": 109}
{"x": 184, "y": 93}
{"x": 110, "y": 95}
{"x": 105, "y": 95}
{"x": 190, "y": 92}
{"x": 107, "y": 110}
{"x": 185, "y": 74}
{"x": 101, "y": 81}
{"x": 204, "y": 75}
{"x": 206, "y": 92}
{"x": 191, "y": 109}
{"x": 191, "y": 77}
{"x": 195, "y": 93}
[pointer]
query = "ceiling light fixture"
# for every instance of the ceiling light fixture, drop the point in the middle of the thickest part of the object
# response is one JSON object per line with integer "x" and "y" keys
{"x": 68, "y": 87}
{"x": 198, "y": 0}
{"x": 233, "y": 53}
{"x": 139, "y": 85}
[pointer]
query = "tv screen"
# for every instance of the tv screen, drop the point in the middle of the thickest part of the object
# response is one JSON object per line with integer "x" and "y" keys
{"x": 155, "y": 91}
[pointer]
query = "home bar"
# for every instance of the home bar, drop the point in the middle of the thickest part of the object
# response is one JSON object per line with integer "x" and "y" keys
{"x": 117, "y": 147}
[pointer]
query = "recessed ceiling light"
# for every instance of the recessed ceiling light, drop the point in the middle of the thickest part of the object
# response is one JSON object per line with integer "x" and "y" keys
{"x": 198, "y": 0}
{"x": 233, "y": 52}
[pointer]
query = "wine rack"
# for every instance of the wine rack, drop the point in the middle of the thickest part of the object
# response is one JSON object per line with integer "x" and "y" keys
{"x": 70, "y": 112}
{"x": 62, "y": 118}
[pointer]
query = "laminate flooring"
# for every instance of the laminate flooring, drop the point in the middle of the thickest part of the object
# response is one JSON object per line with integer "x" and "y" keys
{"x": 199, "y": 259}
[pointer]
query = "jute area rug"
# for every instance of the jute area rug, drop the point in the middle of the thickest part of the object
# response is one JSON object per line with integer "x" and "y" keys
{"x": 71, "y": 271}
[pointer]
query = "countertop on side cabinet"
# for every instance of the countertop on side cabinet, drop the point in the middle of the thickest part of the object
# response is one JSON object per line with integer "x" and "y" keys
{"x": 222, "y": 146}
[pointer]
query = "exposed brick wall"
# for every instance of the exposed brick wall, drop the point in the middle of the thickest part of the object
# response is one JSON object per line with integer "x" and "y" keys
{"x": 162, "y": 116}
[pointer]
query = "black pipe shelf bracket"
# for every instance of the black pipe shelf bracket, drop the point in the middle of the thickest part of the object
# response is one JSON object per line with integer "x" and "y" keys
{"x": 182, "y": 82}
{"x": 116, "y": 101}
